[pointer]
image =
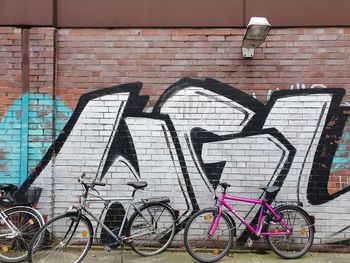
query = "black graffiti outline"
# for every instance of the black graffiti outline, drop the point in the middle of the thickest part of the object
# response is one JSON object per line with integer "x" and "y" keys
{"x": 195, "y": 161}
{"x": 216, "y": 87}
{"x": 178, "y": 178}
{"x": 132, "y": 88}
{"x": 109, "y": 144}
{"x": 309, "y": 148}
{"x": 317, "y": 190}
{"x": 200, "y": 136}
{"x": 245, "y": 112}
{"x": 212, "y": 85}
{"x": 181, "y": 157}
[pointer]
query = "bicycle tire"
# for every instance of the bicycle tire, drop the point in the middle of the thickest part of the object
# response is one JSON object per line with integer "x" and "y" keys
{"x": 299, "y": 242}
{"x": 65, "y": 238}
{"x": 28, "y": 221}
{"x": 197, "y": 241}
{"x": 149, "y": 240}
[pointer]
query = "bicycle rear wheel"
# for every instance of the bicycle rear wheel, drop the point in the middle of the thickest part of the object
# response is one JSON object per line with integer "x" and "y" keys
{"x": 14, "y": 246}
{"x": 65, "y": 238}
{"x": 151, "y": 229}
{"x": 199, "y": 244}
{"x": 299, "y": 242}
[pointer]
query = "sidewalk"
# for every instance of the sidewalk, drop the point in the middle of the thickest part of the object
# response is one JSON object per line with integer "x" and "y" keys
{"x": 98, "y": 256}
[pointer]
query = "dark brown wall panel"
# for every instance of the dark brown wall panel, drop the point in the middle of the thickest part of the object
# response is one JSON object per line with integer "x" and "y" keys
{"x": 150, "y": 13}
{"x": 26, "y": 12}
{"x": 301, "y": 12}
{"x": 173, "y": 13}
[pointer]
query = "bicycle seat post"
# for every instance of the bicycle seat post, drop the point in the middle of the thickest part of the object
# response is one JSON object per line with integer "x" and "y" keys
{"x": 133, "y": 193}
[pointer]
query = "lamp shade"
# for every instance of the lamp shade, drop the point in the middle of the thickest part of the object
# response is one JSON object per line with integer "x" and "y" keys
{"x": 256, "y": 32}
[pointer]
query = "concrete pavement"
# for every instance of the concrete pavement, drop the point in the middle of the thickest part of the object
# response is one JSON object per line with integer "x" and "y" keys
{"x": 99, "y": 256}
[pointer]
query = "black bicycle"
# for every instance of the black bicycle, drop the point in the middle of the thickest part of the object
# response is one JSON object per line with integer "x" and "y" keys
{"x": 68, "y": 237}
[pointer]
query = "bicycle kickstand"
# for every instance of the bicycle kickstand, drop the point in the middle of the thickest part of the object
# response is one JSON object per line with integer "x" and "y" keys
{"x": 122, "y": 253}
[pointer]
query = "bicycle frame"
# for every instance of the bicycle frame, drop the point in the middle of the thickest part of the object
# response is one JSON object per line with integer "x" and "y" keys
{"x": 100, "y": 222}
{"x": 9, "y": 224}
{"x": 117, "y": 237}
{"x": 258, "y": 230}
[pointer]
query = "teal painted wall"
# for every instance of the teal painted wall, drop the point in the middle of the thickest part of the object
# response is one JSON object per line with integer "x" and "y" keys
{"x": 38, "y": 131}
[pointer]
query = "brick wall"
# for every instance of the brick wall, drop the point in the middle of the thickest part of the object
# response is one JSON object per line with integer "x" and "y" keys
{"x": 157, "y": 57}
{"x": 41, "y": 92}
{"x": 10, "y": 90}
{"x": 304, "y": 66}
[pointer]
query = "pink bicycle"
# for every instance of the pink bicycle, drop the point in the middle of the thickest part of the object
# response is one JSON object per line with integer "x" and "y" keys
{"x": 288, "y": 229}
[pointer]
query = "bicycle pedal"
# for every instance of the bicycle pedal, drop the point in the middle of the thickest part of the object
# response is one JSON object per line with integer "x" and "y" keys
{"x": 107, "y": 248}
{"x": 113, "y": 245}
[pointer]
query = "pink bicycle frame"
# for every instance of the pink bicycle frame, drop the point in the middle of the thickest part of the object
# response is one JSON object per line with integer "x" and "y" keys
{"x": 214, "y": 224}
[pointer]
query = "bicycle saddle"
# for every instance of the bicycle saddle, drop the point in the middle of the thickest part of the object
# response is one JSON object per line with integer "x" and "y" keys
{"x": 137, "y": 185}
{"x": 270, "y": 189}
{"x": 224, "y": 185}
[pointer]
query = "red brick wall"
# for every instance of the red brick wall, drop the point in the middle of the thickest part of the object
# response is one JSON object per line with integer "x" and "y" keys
{"x": 10, "y": 90}
{"x": 10, "y": 66}
{"x": 41, "y": 48}
{"x": 41, "y": 90}
{"x": 89, "y": 59}
{"x": 41, "y": 60}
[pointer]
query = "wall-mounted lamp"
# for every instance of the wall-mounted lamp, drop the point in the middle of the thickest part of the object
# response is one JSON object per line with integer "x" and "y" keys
{"x": 255, "y": 35}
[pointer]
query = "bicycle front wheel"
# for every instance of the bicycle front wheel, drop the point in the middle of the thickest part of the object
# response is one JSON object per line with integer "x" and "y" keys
{"x": 151, "y": 229}
{"x": 65, "y": 238}
{"x": 15, "y": 239}
{"x": 299, "y": 241}
{"x": 199, "y": 244}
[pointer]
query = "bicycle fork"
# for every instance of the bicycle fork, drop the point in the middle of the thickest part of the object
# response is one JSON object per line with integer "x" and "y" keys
{"x": 74, "y": 224}
{"x": 215, "y": 222}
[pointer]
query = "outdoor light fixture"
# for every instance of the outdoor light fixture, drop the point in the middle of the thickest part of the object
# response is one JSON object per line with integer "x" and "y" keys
{"x": 255, "y": 35}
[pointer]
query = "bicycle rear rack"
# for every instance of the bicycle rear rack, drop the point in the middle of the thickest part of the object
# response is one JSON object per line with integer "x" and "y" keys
{"x": 289, "y": 202}
{"x": 160, "y": 199}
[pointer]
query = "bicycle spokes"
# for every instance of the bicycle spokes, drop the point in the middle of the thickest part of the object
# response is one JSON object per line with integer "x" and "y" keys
{"x": 151, "y": 229}
{"x": 67, "y": 238}
{"x": 207, "y": 247}
{"x": 298, "y": 241}
{"x": 18, "y": 227}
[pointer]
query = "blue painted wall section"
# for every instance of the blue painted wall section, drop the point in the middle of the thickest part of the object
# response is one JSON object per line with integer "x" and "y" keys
{"x": 26, "y": 135}
{"x": 10, "y": 144}
{"x": 340, "y": 175}
{"x": 24, "y": 138}
{"x": 341, "y": 159}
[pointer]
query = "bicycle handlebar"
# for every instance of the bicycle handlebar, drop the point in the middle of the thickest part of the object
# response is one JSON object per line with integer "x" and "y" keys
{"x": 99, "y": 184}
{"x": 89, "y": 182}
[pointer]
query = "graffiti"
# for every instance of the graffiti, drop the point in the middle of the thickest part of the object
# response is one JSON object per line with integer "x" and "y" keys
{"x": 199, "y": 132}
{"x": 38, "y": 130}
{"x": 293, "y": 87}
